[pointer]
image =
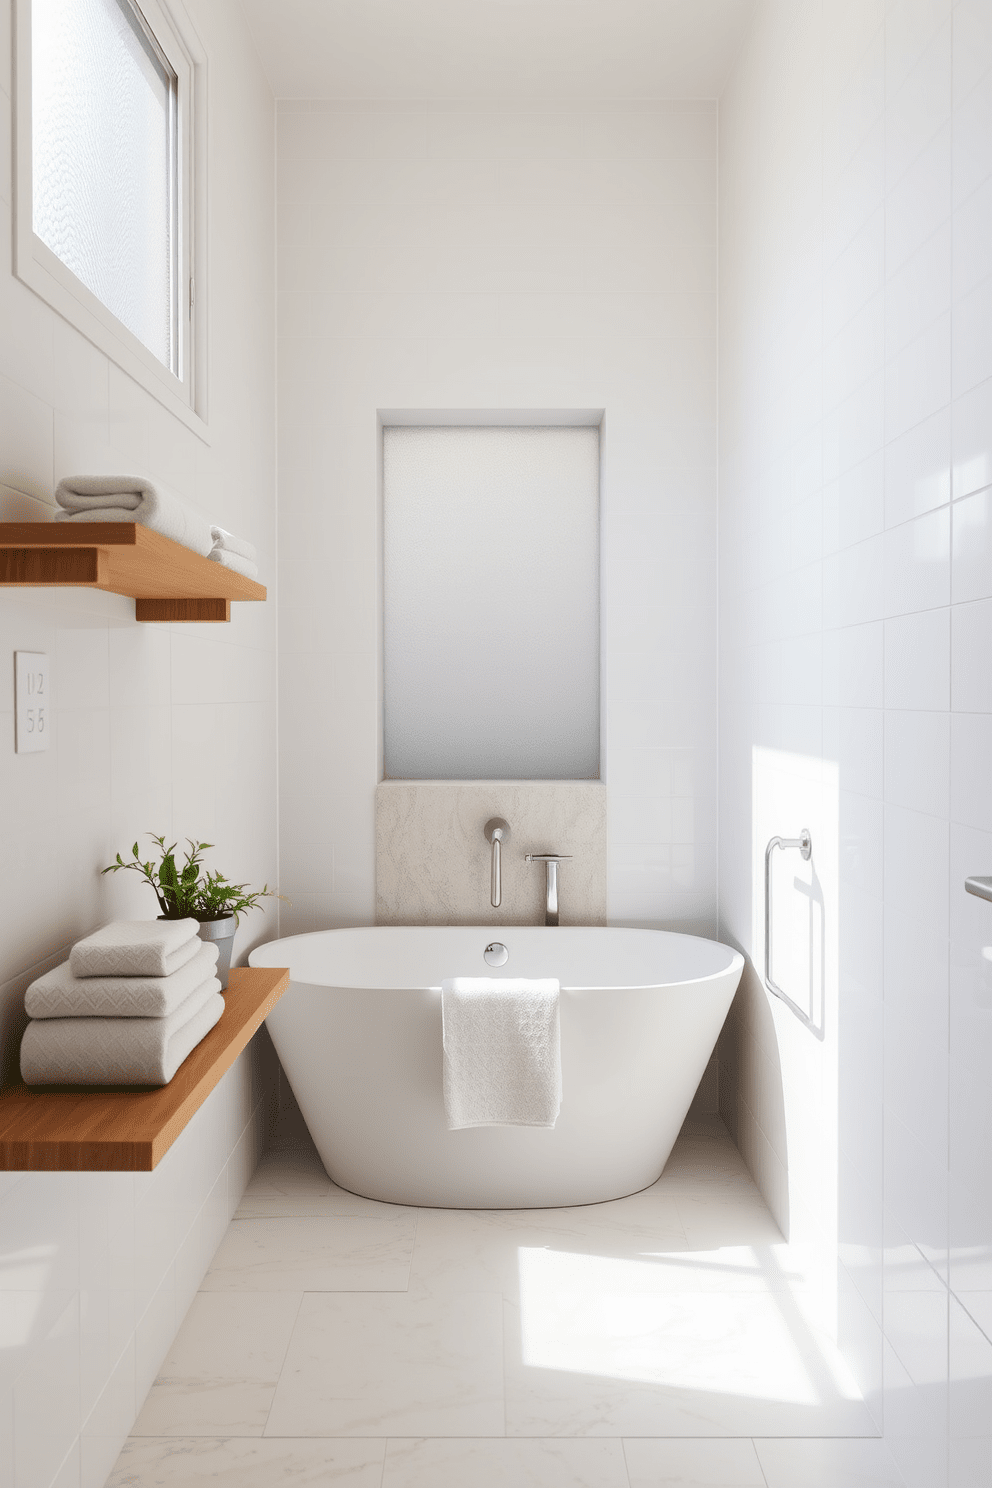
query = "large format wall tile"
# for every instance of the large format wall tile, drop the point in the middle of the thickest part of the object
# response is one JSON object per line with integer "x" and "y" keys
{"x": 859, "y": 326}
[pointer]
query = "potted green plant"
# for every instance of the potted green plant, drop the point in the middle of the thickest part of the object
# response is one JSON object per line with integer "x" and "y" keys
{"x": 190, "y": 891}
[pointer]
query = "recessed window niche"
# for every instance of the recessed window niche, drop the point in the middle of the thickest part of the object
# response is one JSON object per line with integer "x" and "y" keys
{"x": 491, "y": 602}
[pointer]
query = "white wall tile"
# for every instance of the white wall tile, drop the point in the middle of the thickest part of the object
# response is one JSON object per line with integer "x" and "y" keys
{"x": 917, "y": 760}
{"x": 917, "y": 564}
{"x": 921, "y": 103}
{"x": 972, "y": 329}
{"x": 917, "y": 469}
{"x": 917, "y": 660}
{"x": 971, "y": 540}
{"x": 972, "y": 151}
{"x": 926, "y": 665}
{"x": 972, "y": 441}
{"x": 970, "y": 230}
{"x": 971, "y": 633}
{"x": 920, "y": 202}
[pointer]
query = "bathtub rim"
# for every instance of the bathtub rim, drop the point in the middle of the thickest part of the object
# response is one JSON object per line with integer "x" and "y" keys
{"x": 735, "y": 962}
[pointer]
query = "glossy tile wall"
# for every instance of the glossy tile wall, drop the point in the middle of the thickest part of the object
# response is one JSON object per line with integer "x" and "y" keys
{"x": 856, "y": 606}
{"x": 156, "y": 728}
{"x": 501, "y": 258}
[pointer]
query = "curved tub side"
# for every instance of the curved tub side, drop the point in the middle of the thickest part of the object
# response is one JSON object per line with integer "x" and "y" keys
{"x": 365, "y": 1067}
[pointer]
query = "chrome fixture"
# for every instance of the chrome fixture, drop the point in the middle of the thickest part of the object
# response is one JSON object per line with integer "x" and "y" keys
{"x": 804, "y": 843}
{"x": 496, "y": 953}
{"x": 496, "y": 831}
{"x": 551, "y": 861}
{"x": 980, "y": 886}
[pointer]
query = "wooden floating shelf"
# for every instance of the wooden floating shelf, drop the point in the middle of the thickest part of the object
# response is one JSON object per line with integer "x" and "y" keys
{"x": 165, "y": 580}
{"x": 130, "y": 1131}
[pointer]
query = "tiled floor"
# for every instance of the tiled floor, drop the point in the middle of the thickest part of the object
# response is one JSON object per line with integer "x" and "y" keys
{"x": 667, "y": 1340}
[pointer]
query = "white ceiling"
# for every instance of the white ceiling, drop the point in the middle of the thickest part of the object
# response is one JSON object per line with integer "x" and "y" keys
{"x": 512, "y": 50}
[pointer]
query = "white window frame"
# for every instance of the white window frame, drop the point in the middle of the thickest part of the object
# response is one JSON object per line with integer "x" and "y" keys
{"x": 43, "y": 272}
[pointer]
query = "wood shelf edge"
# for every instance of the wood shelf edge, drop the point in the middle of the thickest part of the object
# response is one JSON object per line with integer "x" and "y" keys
{"x": 167, "y": 581}
{"x": 131, "y": 1131}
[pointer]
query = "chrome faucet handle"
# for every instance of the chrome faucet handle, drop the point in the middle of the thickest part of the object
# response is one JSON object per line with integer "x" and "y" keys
{"x": 550, "y": 861}
{"x": 496, "y": 831}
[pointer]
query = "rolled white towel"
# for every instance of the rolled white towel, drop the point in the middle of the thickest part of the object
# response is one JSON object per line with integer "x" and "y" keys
{"x": 235, "y": 562}
{"x": 59, "y": 994}
{"x": 145, "y": 948}
{"x": 502, "y": 1052}
{"x": 118, "y": 1051}
{"x": 130, "y": 498}
{"x": 227, "y": 542}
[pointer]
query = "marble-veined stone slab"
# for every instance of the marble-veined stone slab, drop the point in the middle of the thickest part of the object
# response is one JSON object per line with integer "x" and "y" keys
{"x": 433, "y": 861}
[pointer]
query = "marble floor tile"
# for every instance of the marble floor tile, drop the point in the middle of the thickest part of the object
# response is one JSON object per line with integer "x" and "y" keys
{"x": 293, "y": 1183}
{"x": 327, "y": 1202}
{"x": 212, "y": 1463}
{"x": 207, "y": 1407}
{"x": 602, "y": 1353}
{"x": 462, "y": 1250}
{"x": 313, "y": 1255}
{"x": 707, "y": 1463}
{"x": 228, "y": 1336}
{"x": 500, "y": 1463}
{"x": 721, "y": 1219}
{"x": 220, "y": 1374}
{"x": 828, "y": 1464}
{"x": 382, "y": 1365}
{"x": 508, "y": 1347}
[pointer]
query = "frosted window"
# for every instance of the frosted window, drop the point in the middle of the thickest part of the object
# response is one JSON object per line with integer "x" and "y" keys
{"x": 491, "y": 603}
{"x": 104, "y": 161}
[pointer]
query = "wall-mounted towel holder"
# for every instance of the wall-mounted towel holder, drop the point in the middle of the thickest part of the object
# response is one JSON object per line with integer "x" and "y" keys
{"x": 804, "y": 843}
{"x": 979, "y": 886}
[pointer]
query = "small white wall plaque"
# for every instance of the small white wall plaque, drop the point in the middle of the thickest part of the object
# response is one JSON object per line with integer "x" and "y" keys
{"x": 33, "y": 711}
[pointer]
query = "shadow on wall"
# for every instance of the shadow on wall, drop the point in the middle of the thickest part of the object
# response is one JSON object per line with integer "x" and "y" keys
{"x": 752, "y": 1094}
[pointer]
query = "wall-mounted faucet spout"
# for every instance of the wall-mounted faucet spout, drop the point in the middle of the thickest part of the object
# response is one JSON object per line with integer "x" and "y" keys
{"x": 497, "y": 831}
{"x": 551, "y": 861}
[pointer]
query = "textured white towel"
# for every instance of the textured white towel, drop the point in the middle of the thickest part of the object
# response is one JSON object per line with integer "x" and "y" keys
{"x": 502, "y": 1052}
{"x": 117, "y": 1051}
{"x": 145, "y": 948}
{"x": 234, "y": 562}
{"x": 129, "y": 498}
{"x": 229, "y": 543}
{"x": 59, "y": 994}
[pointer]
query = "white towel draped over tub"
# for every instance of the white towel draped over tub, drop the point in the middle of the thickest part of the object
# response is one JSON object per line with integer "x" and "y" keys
{"x": 502, "y": 1052}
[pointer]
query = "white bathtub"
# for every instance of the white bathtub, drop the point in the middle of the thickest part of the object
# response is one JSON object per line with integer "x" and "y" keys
{"x": 359, "y": 1037}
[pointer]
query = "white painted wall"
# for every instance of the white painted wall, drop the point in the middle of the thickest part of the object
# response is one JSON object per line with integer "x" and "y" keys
{"x": 446, "y": 258}
{"x": 856, "y": 579}
{"x": 157, "y": 728}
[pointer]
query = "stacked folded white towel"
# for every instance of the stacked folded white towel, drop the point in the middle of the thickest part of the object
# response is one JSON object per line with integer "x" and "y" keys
{"x": 233, "y": 552}
{"x": 131, "y": 498}
{"x": 133, "y": 1000}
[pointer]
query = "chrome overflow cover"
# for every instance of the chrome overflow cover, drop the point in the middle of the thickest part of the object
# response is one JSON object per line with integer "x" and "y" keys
{"x": 496, "y": 953}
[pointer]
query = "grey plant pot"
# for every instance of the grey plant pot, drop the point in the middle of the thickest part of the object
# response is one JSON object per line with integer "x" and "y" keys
{"x": 221, "y": 933}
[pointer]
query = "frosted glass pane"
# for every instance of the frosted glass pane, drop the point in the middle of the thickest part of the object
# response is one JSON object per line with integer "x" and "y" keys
{"x": 491, "y": 603}
{"x": 103, "y": 160}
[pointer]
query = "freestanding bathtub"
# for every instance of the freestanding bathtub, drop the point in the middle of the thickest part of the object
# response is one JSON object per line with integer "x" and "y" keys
{"x": 359, "y": 1037}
